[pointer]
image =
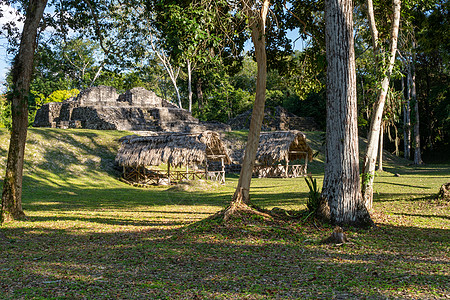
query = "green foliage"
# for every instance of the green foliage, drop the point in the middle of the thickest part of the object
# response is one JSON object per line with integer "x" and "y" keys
{"x": 61, "y": 95}
{"x": 224, "y": 104}
{"x": 5, "y": 112}
{"x": 314, "y": 105}
{"x": 245, "y": 79}
{"x": 189, "y": 32}
{"x": 366, "y": 177}
{"x": 313, "y": 202}
{"x": 64, "y": 65}
{"x": 274, "y": 98}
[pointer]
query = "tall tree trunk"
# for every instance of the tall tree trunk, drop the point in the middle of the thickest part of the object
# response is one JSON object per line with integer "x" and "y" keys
{"x": 377, "y": 114}
{"x": 380, "y": 148}
{"x": 173, "y": 73}
{"x": 21, "y": 77}
{"x": 189, "y": 67}
{"x": 200, "y": 95}
{"x": 174, "y": 81}
{"x": 257, "y": 21}
{"x": 407, "y": 119}
{"x": 429, "y": 117}
{"x": 341, "y": 188}
{"x": 417, "y": 155}
{"x": 373, "y": 30}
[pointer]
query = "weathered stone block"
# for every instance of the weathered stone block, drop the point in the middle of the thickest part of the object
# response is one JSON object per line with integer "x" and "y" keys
{"x": 98, "y": 96}
{"x": 141, "y": 97}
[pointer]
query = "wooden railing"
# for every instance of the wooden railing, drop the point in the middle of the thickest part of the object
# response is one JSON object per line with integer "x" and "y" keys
{"x": 293, "y": 171}
{"x": 144, "y": 176}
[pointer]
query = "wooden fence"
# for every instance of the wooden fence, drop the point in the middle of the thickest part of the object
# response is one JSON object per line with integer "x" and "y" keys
{"x": 144, "y": 176}
{"x": 292, "y": 171}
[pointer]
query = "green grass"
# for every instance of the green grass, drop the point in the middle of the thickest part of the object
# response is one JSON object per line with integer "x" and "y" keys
{"x": 90, "y": 236}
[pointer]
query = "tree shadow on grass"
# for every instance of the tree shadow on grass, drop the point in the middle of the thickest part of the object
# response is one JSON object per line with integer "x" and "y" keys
{"x": 3, "y": 152}
{"x": 445, "y": 217}
{"x": 116, "y": 221}
{"x": 40, "y": 196}
{"x": 394, "y": 197}
{"x": 279, "y": 199}
{"x": 164, "y": 264}
{"x": 436, "y": 170}
{"x": 406, "y": 185}
{"x": 67, "y": 152}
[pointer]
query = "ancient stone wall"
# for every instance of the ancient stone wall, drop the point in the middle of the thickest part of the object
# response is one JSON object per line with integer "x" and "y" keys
{"x": 49, "y": 113}
{"x": 103, "y": 108}
{"x": 98, "y": 96}
{"x": 141, "y": 97}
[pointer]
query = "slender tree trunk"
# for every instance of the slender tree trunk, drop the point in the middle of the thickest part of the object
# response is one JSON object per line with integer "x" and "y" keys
{"x": 407, "y": 120}
{"x": 257, "y": 22}
{"x": 174, "y": 82}
{"x": 397, "y": 142}
{"x": 380, "y": 148}
{"x": 373, "y": 29}
{"x": 200, "y": 95}
{"x": 173, "y": 74}
{"x": 429, "y": 138}
{"x": 97, "y": 74}
{"x": 21, "y": 77}
{"x": 377, "y": 114}
{"x": 189, "y": 84}
{"x": 417, "y": 155}
{"x": 341, "y": 188}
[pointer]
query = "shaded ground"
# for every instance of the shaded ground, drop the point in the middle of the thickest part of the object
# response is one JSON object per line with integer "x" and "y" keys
{"x": 90, "y": 236}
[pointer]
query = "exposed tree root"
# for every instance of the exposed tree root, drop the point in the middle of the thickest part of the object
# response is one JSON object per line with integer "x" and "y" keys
{"x": 238, "y": 206}
{"x": 7, "y": 217}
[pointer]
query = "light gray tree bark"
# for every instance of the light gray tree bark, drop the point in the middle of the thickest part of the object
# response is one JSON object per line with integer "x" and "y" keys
{"x": 417, "y": 154}
{"x": 407, "y": 119}
{"x": 380, "y": 148}
{"x": 377, "y": 114}
{"x": 341, "y": 187}
{"x": 190, "y": 69}
{"x": 165, "y": 60}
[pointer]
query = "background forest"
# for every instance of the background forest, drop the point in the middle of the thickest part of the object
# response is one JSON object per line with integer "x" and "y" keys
{"x": 193, "y": 54}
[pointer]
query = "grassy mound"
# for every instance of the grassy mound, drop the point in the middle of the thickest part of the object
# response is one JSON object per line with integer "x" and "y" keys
{"x": 67, "y": 155}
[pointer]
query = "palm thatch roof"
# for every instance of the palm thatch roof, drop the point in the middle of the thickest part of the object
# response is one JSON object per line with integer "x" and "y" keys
{"x": 171, "y": 148}
{"x": 275, "y": 146}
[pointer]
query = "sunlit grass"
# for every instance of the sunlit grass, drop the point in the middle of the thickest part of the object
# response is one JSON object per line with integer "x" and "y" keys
{"x": 90, "y": 236}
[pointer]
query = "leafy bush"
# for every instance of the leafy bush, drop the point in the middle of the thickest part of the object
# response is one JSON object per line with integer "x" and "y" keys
{"x": 5, "y": 112}
{"x": 313, "y": 202}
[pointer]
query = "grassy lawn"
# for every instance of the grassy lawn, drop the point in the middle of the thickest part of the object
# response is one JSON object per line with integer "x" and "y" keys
{"x": 90, "y": 236}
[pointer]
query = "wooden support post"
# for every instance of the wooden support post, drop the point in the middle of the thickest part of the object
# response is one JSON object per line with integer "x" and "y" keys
{"x": 306, "y": 163}
{"x": 168, "y": 172}
{"x": 287, "y": 165}
{"x": 223, "y": 170}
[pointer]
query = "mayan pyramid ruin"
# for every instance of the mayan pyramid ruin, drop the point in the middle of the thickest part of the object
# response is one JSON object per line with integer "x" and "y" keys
{"x": 103, "y": 108}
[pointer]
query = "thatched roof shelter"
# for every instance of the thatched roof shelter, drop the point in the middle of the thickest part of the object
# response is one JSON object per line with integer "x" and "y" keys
{"x": 276, "y": 146}
{"x": 175, "y": 149}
